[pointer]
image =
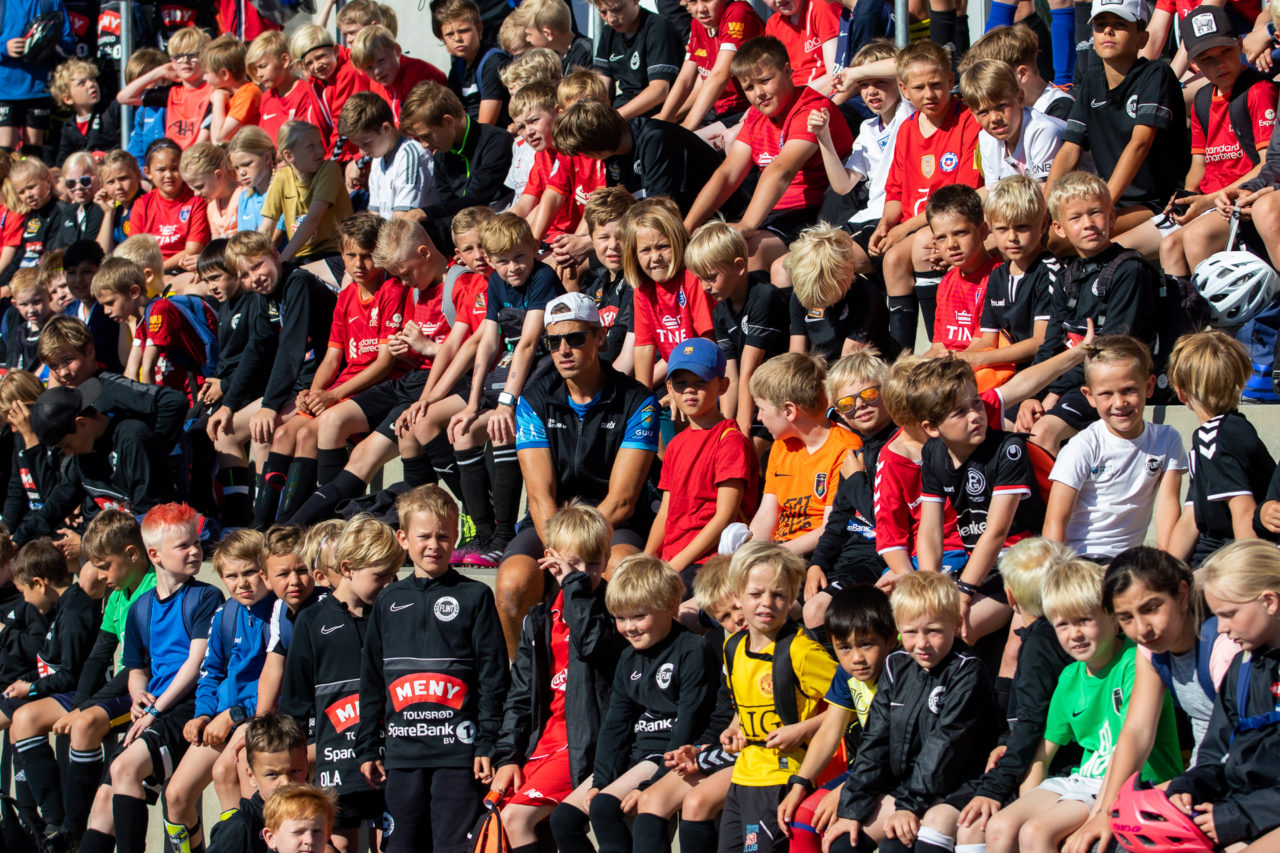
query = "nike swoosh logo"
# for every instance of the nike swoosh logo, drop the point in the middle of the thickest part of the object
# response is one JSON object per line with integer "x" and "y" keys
{"x": 329, "y": 629}
{"x": 616, "y": 57}
{"x": 269, "y": 116}
{"x": 396, "y": 608}
{"x": 1097, "y": 104}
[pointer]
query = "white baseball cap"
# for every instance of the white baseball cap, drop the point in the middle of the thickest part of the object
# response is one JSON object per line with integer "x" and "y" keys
{"x": 572, "y": 306}
{"x": 1134, "y": 11}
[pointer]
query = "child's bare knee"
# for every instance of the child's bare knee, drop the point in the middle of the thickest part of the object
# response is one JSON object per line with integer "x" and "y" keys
{"x": 815, "y": 610}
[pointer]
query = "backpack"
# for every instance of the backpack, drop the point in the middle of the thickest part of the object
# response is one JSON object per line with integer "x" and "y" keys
{"x": 1204, "y": 652}
{"x": 1257, "y": 721}
{"x": 140, "y": 615}
{"x": 197, "y": 314}
{"x": 1237, "y": 112}
{"x": 1180, "y": 310}
{"x": 784, "y": 677}
{"x": 21, "y": 828}
{"x": 1260, "y": 336}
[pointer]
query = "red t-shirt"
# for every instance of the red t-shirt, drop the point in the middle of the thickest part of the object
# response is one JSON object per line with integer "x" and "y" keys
{"x": 555, "y": 733}
{"x": 1248, "y": 9}
{"x": 360, "y": 325}
{"x": 470, "y": 299}
{"x": 960, "y": 302}
{"x": 1225, "y": 161}
{"x": 184, "y": 113}
{"x": 922, "y": 166}
{"x": 575, "y": 178}
{"x": 671, "y": 312}
{"x": 768, "y": 135}
{"x": 412, "y": 72}
{"x": 426, "y": 308}
{"x": 10, "y": 227}
{"x": 818, "y": 23}
{"x": 738, "y": 23}
{"x": 173, "y": 222}
{"x": 181, "y": 349}
{"x": 697, "y": 463}
{"x": 347, "y": 80}
{"x": 301, "y": 103}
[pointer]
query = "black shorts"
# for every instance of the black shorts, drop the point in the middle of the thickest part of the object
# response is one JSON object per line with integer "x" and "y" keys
{"x": 359, "y": 808}
{"x": 34, "y": 113}
{"x": 861, "y": 233}
{"x": 787, "y": 224}
{"x": 385, "y": 402}
{"x": 432, "y": 809}
{"x": 1074, "y": 410}
{"x": 165, "y": 742}
{"x": 528, "y": 544}
{"x": 749, "y": 822}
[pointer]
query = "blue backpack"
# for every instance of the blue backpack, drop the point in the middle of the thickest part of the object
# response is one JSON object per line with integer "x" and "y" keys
{"x": 1204, "y": 652}
{"x": 1257, "y": 721}
{"x": 197, "y": 314}
{"x": 140, "y": 615}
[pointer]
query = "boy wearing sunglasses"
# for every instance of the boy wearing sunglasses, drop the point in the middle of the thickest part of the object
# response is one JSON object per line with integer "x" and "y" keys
{"x": 710, "y": 473}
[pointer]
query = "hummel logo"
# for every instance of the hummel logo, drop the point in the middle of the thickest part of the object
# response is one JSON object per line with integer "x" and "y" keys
{"x": 396, "y": 608}
{"x": 329, "y": 629}
{"x": 635, "y": 676}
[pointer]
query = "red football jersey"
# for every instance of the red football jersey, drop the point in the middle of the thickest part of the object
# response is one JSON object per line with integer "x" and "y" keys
{"x": 668, "y": 313}
{"x": 173, "y": 222}
{"x": 697, "y": 463}
{"x": 181, "y": 350}
{"x": 470, "y": 299}
{"x": 555, "y": 732}
{"x": 346, "y": 81}
{"x": 921, "y": 166}
{"x": 897, "y": 506}
{"x": 426, "y": 308}
{"x": 184, "y": 113}
{"x": 738, "y": 23}
{"x": 301, "y": 103}
{"x": 960, "y": 302}
{"x": 10, "y": 227}
{"x": 361, "y": 325}
{"x": 768, "y": 135}
{"x": 1225, "y": 161}
{"x": 818, "y": 22}
{"x": 412, "y": 72}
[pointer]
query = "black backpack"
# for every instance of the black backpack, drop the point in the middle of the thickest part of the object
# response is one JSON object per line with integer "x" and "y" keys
{"x": 784, "y": 676}
{"x": 1237, "y": 111}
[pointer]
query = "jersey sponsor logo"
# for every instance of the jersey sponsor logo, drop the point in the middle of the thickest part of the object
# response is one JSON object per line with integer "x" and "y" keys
{"x": 79, "y": 24}
{"x": 736, "y": 29}
{"x": 820, "y": 484}
{"x": 154, "y": 322}
{"x": 815, "y": 314}
{"x": 560, "y": 679}
{"x": 935, "y": 699}
{"x": 344, "y": 713}
{"x": 975, "y": 483}
{"x": 949, "y": 162}
{"x": 177, "y": 16}
{"x": 109, "y": 23}
{"x": 430, "y": 687}
{"x": 663, "y": 678}
{"x": 928, "y": 164}
{"x": 765, "y": 684}
{"x": 446, "y": 608}
{"x": 608, "y": 315}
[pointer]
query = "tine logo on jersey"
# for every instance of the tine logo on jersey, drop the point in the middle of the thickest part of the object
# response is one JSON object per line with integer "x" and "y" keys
{"x": 432, "y": 687}
{"x": 344, "y": 713}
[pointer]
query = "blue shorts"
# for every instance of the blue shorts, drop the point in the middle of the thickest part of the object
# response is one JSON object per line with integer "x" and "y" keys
{"x": 953, "y": 562}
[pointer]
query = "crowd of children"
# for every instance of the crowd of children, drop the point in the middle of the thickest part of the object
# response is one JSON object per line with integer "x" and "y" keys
{"x": 645, "y": 329}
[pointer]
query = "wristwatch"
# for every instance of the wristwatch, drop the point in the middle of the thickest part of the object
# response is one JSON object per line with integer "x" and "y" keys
{"x": 796, "y": 779}
{"x": 506, "y": 398}
{"x": 153, "y": 711}
{"x": 237, "y": 714}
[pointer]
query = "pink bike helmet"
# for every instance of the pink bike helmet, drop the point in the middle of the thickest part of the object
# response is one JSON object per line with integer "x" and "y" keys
{"x": 1144, "y": 821}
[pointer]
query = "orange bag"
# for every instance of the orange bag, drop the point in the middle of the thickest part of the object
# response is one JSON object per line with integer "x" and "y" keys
{"x": 489, "y": 835}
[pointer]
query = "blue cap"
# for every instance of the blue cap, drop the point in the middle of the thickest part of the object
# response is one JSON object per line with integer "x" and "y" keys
{"x": 699, "y": 356}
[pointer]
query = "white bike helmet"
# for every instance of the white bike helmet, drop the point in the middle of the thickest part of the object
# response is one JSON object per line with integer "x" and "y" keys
{"x": 1237, "y": 285}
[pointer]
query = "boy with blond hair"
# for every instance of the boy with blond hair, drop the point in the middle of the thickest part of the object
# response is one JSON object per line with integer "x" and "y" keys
{"x": 474, "y": 72}
{"x": 284, "y": 96}
{"x": 235, "y": 101}
{"x": 1015, "y": 313}
{"x": 393, "y": 75}
{"x": 777, "y": 675}
{"x": 550, "y": 199}
{"x": 1019, "y": 47}
{"x": 1088, "y": 708}
{"x": 330, "y": 72}
{"x": 558, "y": 697}
{"x": 549, "y": 24}
{"x": 275, "y": 755}
{"x": 144, "y": 250}
{"x": 1016, "y": 139}
{"x": 31, "y": 311}
{"x": 800, "y": 481}
{"x": 1108, "y": 481}
{"x": 1084, "y": 215}
{"x": 400, "y": 169}
{"x": 434, "y": 644}
{"x": 658, "y": 711}
{"x": 206, "y": 168}
{"x": 539, "y": 65}
{"x": 187, "y": 103}
{"x": 606, "y": 285}
{"x": 833, "y": 310}
{"x": 939, "y": 694}
{"x": 95, "y": 125}
{"x": 298, "y": 819}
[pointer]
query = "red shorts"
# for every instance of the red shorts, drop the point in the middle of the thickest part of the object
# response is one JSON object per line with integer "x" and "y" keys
{"x": 547, "y": 781}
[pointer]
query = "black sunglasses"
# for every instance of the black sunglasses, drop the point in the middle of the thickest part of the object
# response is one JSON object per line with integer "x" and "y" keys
{"x": 83, "y": 180}
{"x": 575, "y": 340}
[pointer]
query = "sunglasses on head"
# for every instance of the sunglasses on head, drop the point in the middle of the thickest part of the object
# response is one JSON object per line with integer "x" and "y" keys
{"x": 575, "y": 340}
{"x": 83, "y": 180}
{"x": 870, "y": 396}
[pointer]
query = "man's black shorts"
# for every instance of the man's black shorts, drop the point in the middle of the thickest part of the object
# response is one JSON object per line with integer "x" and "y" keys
{"x": 1074, "y": 410}
{"x": 165, "y": 742}
{"x": 787, "y": 224}
{"x": 432, "y": 808}
{"x": 34, "y": 113}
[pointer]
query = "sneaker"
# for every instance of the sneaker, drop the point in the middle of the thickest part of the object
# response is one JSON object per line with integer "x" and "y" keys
{"x": 465, "y": 552}
{"x": 488, "y": 553}
{"x": 467, "y": 529}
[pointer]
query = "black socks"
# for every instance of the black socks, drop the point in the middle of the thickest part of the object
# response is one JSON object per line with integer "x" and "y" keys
{"x": 650, "y": 835}
{"x": 84, "y": 776}
{"x": 696, "y": 835}
{"x": 300, "y": 484}
{"x": 904, "y": 316}
{"x": 569, "y": 828}
{"x": 474, "y": 477}
{"x": 237, "y": 506}
{"x": 440, "y": 452}
{"x": 130, "y": 815}
{"x": 942, "y": 29}
{"x": 322, "y": 503}
{"x": 329, "y": 463}
{"x": 927, "y": 294}
{"x": 610, "y": 824}
{"x": 35, "y": 756}
{"x": 418, "y": 470}
{"x": 274, "y": 476}
{"x": 507, "y": 485}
